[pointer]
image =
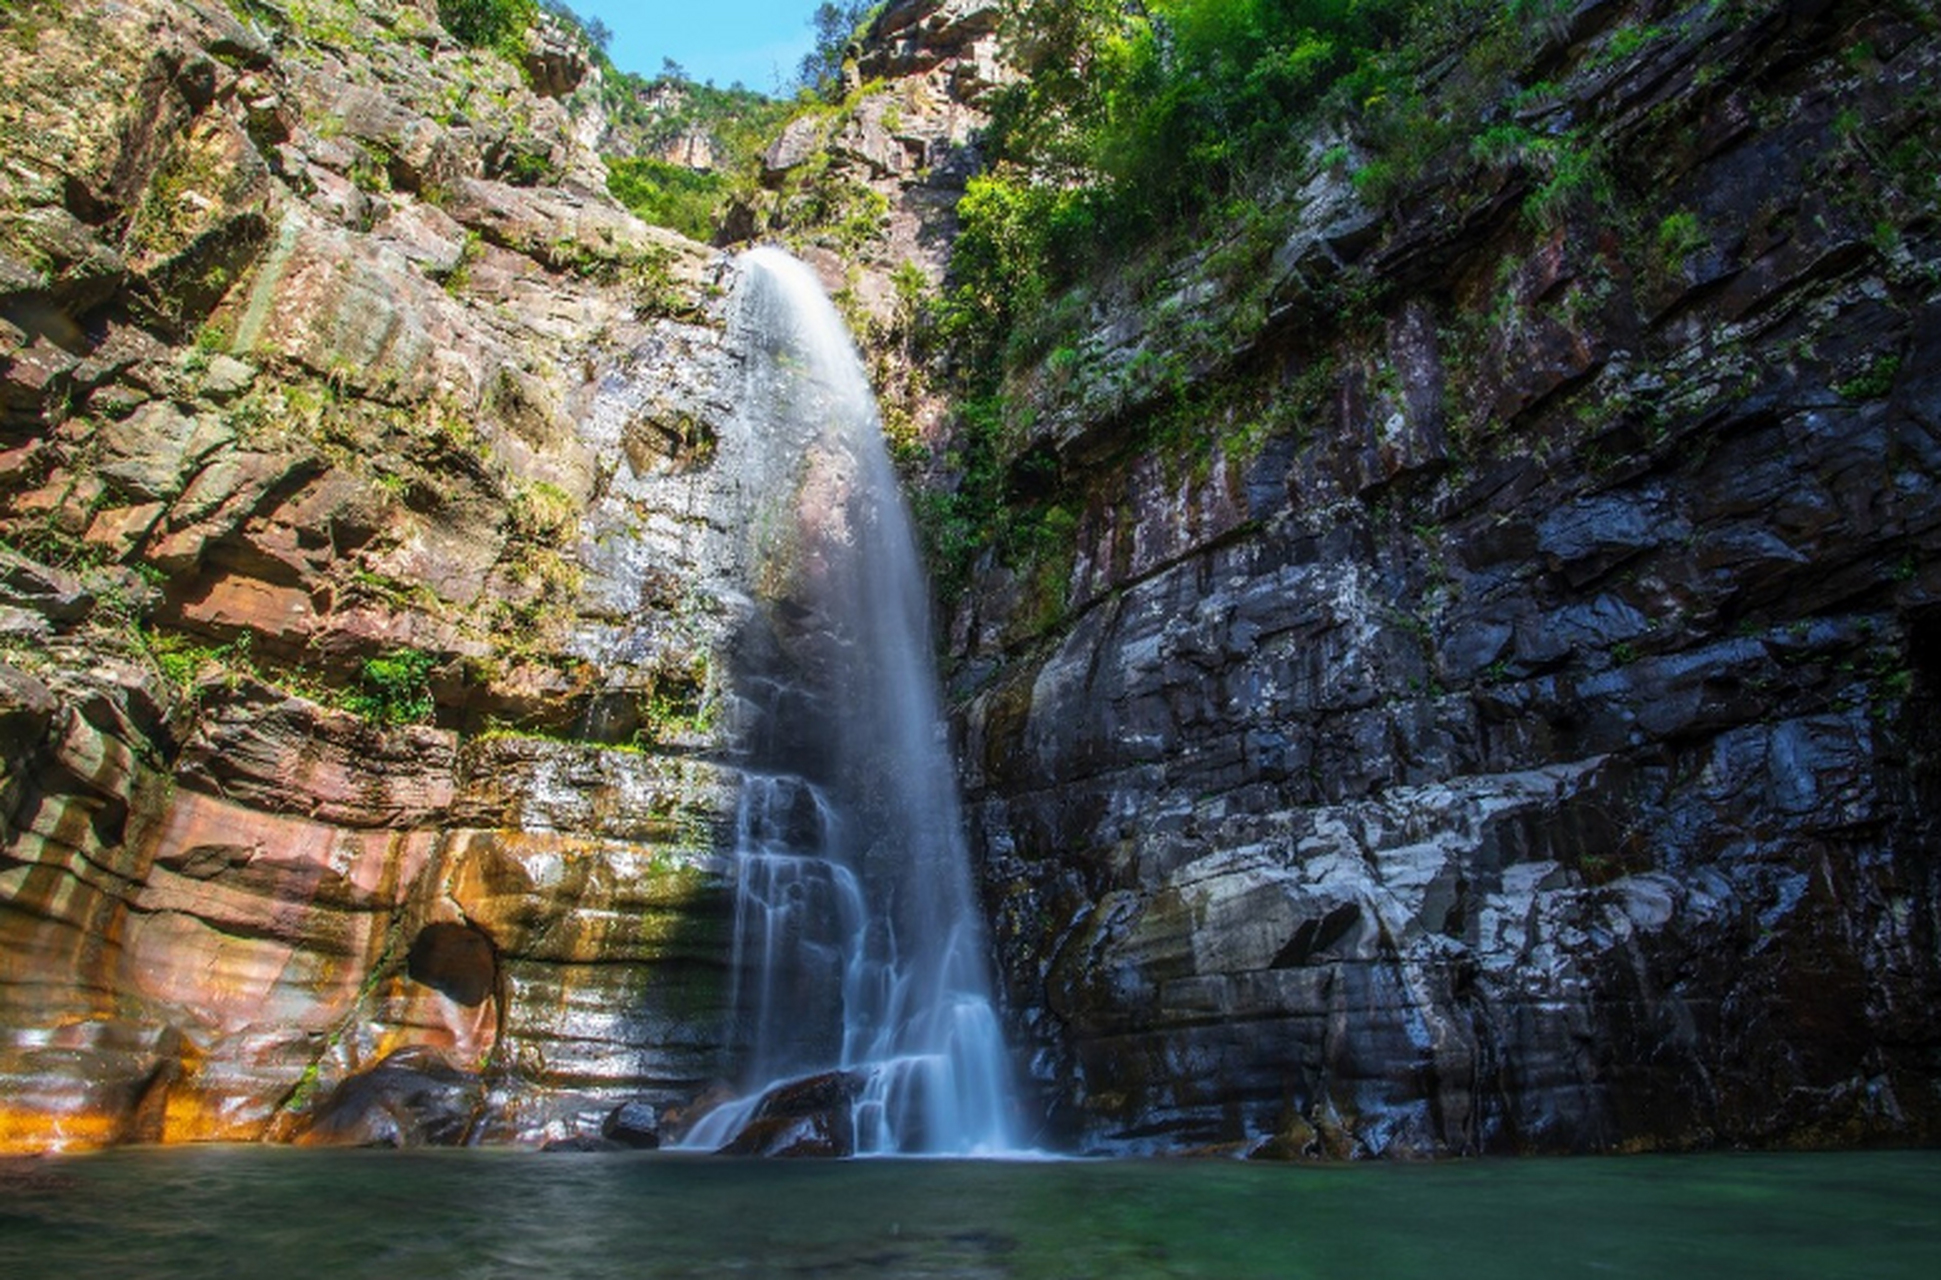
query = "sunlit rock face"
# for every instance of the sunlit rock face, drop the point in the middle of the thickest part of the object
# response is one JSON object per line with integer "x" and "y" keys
{"x": 194, "y": 959}
{"x": 960, "y": 37}
{"x": 321, "y": 343}
{"x": 1505, "y": 720}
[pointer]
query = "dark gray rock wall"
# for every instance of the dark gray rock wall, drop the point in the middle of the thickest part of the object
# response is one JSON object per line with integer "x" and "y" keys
{"x": 1525, "y": 737}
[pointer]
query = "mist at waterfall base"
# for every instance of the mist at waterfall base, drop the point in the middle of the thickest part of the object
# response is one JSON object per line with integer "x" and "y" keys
{"x": 186, "y": 1213}
{"x": 861, "y": 964}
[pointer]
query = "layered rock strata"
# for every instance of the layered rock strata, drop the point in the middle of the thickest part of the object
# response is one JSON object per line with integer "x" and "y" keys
{"x": 1490, "y": 705}
{"x": 360, "y": 602}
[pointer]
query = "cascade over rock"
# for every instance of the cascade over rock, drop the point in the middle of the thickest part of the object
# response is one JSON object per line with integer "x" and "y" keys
{"x": 860, "y": 953}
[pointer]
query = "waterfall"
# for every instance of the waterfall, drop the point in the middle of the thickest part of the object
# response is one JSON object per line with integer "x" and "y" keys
{"x": 861, "y": 959}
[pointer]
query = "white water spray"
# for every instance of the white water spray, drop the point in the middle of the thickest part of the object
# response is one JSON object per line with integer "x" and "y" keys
{"x": 860, "y": 952}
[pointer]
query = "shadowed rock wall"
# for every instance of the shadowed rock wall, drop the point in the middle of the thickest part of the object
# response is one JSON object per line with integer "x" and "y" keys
{"x": 1490, "y": 704}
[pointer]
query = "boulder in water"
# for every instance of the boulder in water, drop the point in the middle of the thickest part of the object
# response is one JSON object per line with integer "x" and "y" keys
{"x": 413, "y": 1098}
{"x": 632, "y": 1124}
{"x": 807, "y": 1117}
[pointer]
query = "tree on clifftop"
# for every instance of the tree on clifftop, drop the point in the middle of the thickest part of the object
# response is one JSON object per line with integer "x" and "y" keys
{"x": 836, "y": 28}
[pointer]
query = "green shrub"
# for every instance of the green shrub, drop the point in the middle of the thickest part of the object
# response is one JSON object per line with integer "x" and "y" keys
{"x": 482, "y": 23}
{"x": 182, "y": 659}
{"x": 1873, "y": 382}
{"x": 1680, "y": 236}
{"x": 668, "y": 195}
{"x": 958, "y": 525}
{"x": 1576, "y": 174}
{"x": 1136, "y": 121}
{"x": 1567, "y": 169}
{"x": 1165, "y": 109}
{"x": 394, "y": 688}
{"x": 1021, "y": 239}
{"x": 542, "y": 513}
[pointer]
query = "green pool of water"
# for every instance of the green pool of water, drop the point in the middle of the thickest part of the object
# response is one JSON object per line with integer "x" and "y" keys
{"x": 281, "y": 1215}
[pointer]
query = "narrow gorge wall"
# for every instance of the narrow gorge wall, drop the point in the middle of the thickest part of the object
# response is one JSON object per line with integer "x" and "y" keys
{"x": 1489, "y": 701}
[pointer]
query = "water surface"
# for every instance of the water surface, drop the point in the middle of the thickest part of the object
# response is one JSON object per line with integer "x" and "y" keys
{"x": 286, "y": 1215}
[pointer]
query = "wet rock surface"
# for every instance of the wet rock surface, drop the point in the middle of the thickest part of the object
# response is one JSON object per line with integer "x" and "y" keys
{"x": 634, "y": 1125}
{"x": 410, "y": 1099}
{"x": 811, "y": 1117}
{"x": 1527, "y": 745}
{"x": 352, "y": 707}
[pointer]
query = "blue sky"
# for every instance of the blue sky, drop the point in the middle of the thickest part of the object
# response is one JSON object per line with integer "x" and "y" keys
{"x": 758, "y": 42}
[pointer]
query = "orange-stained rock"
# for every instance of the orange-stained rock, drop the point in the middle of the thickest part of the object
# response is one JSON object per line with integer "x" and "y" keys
{"x": 237, "y": 946}
{"x": 217, "y": 502}
{"x": 281, "y": 753}
{"x": 27, "y": 1129}
{"x": 285, "y": 350}
{"x": 282, "y": 615}
{"x": 121, "y": 529}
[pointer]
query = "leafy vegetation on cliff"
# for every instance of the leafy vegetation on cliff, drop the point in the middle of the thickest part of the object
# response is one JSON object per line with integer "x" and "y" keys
{"x": 1138, "y": 130}
{"x": 657, "y": 119}
{"x": 1133, "y": 122}
{"x": 1156, "y": 160}
{"x": 664, "y": 115}
{"x": 668, "y": 195}
{"x": 487, "y": 22}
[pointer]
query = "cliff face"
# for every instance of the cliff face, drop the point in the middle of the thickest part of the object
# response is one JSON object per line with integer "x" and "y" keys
{"x": 359, "y": 607}
{"x": 1489, "y": 702}
{"x": 1481, "y": 694}
{"x": 866, "y": 192}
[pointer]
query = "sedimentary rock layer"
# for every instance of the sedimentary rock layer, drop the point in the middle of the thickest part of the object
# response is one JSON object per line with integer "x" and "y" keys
{"x": 1493, "y": 707}
{"x": 356, "y": 626}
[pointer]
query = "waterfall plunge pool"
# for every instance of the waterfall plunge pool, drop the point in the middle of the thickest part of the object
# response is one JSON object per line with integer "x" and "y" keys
{"x": 163, "y": 1213}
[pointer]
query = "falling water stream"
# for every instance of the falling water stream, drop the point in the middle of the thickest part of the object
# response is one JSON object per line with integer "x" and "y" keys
{"x": 860, "y": 952}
